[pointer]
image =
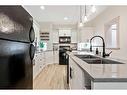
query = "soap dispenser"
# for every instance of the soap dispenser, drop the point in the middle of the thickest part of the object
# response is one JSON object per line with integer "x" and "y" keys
{"x": 97, "y": 51}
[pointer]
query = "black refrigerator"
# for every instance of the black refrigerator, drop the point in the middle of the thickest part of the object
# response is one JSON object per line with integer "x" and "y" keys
{"x": 16, "y": 48}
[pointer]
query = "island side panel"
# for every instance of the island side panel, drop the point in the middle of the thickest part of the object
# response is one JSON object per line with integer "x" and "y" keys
{"x": 108, "y": 85}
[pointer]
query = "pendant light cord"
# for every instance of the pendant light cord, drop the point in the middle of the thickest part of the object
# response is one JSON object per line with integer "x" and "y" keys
{"x": 80, "y": 13}
{"x": 85, "y": 10}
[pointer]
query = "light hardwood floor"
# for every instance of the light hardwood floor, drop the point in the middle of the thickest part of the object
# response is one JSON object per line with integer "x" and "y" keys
{"x": 53, "y": 76}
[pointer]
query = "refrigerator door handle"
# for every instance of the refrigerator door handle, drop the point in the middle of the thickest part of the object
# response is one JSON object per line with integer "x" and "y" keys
{"x": 32, "y": 51}
{"x": 31, "y": 34}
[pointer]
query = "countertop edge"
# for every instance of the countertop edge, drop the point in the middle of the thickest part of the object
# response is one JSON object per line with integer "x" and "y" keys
{"x": 99, "y": 79}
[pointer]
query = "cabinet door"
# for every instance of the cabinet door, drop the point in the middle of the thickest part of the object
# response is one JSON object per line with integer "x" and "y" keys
{"x": 41, "y": 61}
{"x": 36, "y": 67}
{"x": 76, "y": 76}
{"x": 73, "y": 36}
{"x": 65, "y": 32}
{"x": 55, "y": 36}
{"x": 56, "y": 57}
{"x": 49, "y": 57}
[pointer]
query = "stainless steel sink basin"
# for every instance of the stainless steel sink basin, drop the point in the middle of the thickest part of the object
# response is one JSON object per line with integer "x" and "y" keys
{"x": 101, "y": 61}
{"x": 90, "y": 59}
{"x": 86, "y": 56}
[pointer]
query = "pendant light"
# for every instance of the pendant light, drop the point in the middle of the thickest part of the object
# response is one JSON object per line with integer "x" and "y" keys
{"x": 85, "y": 18}
{"x": 80, "y": 23}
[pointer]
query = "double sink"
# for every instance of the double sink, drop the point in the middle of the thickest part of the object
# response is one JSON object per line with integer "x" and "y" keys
{"x": 90, "y": 59}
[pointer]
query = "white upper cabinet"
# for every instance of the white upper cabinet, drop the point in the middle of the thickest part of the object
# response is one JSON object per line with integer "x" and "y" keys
{"x": 73, "y": 36}
{"x": 64, "y": 32}
{"x": 55, "y": 36}
{"x": 69, "y": 32}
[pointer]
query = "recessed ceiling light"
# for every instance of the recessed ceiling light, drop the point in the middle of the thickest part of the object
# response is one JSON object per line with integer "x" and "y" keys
{"x": 65, "y": 18}
{"x": 42, "y": 7}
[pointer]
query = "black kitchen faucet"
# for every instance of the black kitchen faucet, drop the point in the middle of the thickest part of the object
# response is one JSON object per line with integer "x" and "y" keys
{"x": 103, "y": 53}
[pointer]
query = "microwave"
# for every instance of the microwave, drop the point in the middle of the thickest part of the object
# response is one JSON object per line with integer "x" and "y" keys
{"x": 64, "y": 39}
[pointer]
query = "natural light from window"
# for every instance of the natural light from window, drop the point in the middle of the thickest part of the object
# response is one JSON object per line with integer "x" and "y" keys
{"x": 111, "y": 34}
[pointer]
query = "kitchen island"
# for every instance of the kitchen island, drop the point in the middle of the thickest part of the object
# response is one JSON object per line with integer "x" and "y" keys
{"x": 96, "y": 76}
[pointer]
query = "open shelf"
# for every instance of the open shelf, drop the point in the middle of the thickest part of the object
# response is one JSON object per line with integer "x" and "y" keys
{"x": 44, "y": 36}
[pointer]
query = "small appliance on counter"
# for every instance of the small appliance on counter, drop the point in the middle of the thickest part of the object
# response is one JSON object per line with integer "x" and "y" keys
{"x": 73, "y": 46}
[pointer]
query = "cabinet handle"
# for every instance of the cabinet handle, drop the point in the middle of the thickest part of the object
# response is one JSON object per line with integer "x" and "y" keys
{"x": 70, "y": 72}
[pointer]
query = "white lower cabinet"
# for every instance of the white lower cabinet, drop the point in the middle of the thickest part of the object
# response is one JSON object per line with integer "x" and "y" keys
{"x": 56, "y": 57}
{"x": 38, "y": 64}
{"x": 76, "y": 76}
{"x": 49, "y": 57}
{"x": 52, "y": 57}
{"x": 43, "y": 59}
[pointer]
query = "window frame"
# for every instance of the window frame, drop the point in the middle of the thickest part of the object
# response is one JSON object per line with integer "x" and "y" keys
{"x": 113, "y": 21}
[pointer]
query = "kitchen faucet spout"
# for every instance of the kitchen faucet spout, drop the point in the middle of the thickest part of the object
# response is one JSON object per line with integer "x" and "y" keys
{"x": 103, "y": 53}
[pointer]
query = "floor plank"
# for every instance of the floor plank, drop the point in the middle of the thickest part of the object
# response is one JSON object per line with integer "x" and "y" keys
{"x": 53, "y": 76}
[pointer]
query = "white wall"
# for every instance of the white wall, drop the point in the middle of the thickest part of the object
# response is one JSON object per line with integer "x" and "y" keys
{"x": 108, "y": 15}
{"x": 85, "y": 34}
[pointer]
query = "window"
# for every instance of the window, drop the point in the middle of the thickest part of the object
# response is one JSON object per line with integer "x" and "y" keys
{"x": 112, "y": 34}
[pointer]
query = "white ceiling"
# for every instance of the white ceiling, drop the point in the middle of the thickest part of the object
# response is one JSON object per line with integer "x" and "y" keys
{"x": 56, "y": 14}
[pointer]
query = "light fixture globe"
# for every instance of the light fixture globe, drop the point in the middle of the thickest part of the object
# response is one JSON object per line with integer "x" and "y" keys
{"x": 65, "y": 18}
{"x": 80, "y": 24}
{"x": 85, "y": 19}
